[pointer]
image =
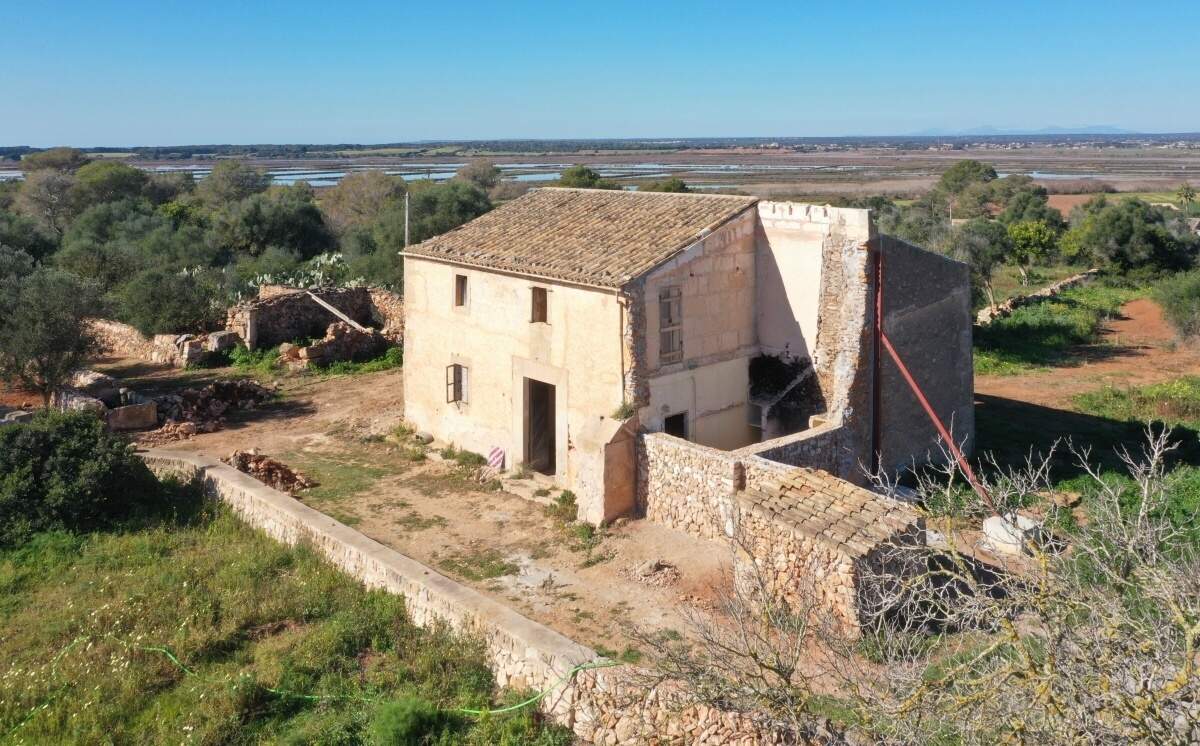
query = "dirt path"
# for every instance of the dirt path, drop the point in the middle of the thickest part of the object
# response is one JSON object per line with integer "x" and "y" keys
{"x": 338, "y": 431}
{"x": 1136, "y": 349}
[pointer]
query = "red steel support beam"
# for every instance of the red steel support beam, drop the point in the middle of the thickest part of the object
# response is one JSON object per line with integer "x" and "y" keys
{"x": 912, "y": 383}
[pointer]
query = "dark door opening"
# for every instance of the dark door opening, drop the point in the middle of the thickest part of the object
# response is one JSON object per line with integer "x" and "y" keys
{"x": 539, "y": 426}
{"x": 676, "y": 425}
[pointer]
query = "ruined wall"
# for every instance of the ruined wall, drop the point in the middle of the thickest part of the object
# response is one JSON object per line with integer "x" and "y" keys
{"x": 927, "y": 317}
{"x": 387, "y": 313}
{"x": 122, "y": 340}
{"x": 580, "y": 352}
{"x": 601, "y": 706}
{"x": 286, "y": 314}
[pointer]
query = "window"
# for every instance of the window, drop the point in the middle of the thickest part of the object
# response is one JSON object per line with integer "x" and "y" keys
{"x": 456, "y": 383}
{"x": 538, "y": 314}
{"x": 676, "y": 425}
{"x": 670, "y": 322}
{"x": 460, "y": 290}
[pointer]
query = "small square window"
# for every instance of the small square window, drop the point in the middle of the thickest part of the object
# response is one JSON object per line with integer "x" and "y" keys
{"x": 538, "y": 314}
{"x": 456, "y": 383}
{"x": 460, "y": 290}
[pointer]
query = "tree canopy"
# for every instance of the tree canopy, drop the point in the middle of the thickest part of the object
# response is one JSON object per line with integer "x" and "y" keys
{"x": 582, "y": 177}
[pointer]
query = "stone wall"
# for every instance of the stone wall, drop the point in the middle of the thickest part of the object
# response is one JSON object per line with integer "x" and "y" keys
{"x": 717, "y": 494}
{"x": 606, "y": 705}
{"x": 281, "y": 315}
{"x": 685, "y": 486}
{"x": 822, "y": 447}
{"x": 122, "y": 340}
{"x": 387, "y": 313}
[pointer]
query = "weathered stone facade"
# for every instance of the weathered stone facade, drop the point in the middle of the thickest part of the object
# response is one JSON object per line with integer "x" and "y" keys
{"x": 605, "y": 705}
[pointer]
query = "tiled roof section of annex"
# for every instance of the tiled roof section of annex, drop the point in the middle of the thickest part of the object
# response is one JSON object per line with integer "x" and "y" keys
{"x": 822, "y": 507}
{"x": 587, "y": 236}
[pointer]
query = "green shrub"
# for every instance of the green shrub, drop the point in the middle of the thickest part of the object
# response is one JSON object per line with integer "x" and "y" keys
{"x": 158, "y": 301}
{"x": 404, "y": 722}
{"x": 1179, "y": 297}
{"x": 564, "y": 508}
{"x": 64, "y": 471}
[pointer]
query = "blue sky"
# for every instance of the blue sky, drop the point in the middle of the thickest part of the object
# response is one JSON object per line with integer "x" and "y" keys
{"x": 167, "y": 72}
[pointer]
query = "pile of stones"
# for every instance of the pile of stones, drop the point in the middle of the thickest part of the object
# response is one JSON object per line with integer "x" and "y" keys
{"x": 269, "y": 471}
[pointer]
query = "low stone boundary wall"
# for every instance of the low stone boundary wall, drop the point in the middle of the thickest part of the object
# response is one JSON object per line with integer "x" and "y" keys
{"x": 988, "y": 315}
{"x": 602, "y": 706}
{"x": 116, "y": 338}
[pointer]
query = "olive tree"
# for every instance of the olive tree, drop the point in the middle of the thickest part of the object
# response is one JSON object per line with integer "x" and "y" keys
{"x": 44, "y": 334}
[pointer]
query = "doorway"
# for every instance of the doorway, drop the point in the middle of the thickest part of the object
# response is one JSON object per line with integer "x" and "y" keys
{"x": 676, "y": 425}
{"x": 539, "y": 426}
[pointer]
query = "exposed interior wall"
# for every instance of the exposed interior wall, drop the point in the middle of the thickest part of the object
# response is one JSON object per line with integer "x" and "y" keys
{"x": 790, "y": 244}
{"x": 927, "y": 317}
{"x": 711, "y": 383}
{"x": 579, "y": 352}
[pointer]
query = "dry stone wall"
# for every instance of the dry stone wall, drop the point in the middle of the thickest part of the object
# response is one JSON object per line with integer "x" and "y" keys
{"x": 711, "y": 494}
{"x": 607, "y": 705}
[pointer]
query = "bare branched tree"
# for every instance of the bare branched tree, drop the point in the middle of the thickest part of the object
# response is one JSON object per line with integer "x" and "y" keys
{"x": 1092, "y": 635}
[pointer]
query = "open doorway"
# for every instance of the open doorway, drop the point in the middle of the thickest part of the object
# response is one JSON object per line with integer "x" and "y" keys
{"x": 539, "y": 426}
{"x": 676, "y": 425}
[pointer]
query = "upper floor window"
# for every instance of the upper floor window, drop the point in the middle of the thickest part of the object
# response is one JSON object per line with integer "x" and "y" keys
{"x": 460, "y": 290}
{"x": 538, "y": 312}
{"x": 670, "y": 324}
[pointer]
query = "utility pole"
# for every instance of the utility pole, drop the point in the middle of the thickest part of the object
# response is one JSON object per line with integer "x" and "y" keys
{"x": 406, "y": 219}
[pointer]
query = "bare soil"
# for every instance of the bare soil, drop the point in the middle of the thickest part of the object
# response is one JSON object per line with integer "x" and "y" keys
{"x": 338, "y": 431}
{"x": 1035, "y": 412}
{"x": 1136, "y": 349}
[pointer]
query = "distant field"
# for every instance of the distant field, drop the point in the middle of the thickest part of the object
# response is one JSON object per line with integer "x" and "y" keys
{"x": 1064, "y": 203}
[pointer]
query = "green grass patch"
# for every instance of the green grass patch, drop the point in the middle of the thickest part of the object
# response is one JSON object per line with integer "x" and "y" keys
{"x": 390, "y": 360}
{"x": 262, "y": 362}
{"x": 85, "y": 619}
{"x": 1175, "y": 402}
{"x": 1046, "y": 334}
{"x": 478, "y": 564}
{"x": 336, "y": 478}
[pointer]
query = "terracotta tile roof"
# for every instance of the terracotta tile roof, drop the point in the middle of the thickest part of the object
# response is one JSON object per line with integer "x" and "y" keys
{"x": 822, "y": 507}
{"x": 589, "y": 236}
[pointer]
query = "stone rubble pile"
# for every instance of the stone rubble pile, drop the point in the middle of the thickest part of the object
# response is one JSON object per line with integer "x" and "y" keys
{"x": 655, "y": 573}
{"x": 341, "y": 342}
{"x": 269, "y": 471}
{"x": 202, "y": 410}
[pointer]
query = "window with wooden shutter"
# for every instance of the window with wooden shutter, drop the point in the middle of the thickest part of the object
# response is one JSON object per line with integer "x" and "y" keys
{"x": 539, "y": 312}
{"x": 670, "y": 324}
{"x": 456, "y": 383}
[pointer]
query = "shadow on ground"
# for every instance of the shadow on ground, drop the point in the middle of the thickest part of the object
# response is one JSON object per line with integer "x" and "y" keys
{"x": 1010, "y": 430}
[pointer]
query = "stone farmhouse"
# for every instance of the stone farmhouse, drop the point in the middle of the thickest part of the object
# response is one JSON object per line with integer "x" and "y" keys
{"x": 654, "y": 352}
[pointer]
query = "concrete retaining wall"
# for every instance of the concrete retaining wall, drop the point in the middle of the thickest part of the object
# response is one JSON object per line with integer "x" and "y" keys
{"x": 603, "y": 706}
